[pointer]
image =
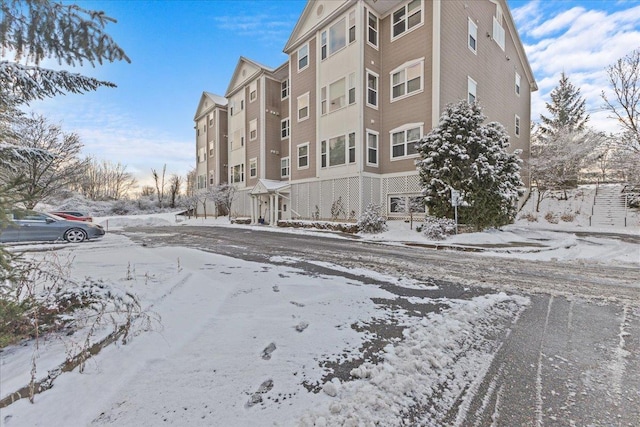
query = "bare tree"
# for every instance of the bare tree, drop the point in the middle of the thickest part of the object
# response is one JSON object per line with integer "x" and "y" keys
{"x": 43, "y": 177}
{"x": 624, "y": 77}
{"x": 556, "y": 160}
{"x": 147, "y": 191}
{"x": 223, "y": 196}
{"x": 175, "y": 184}
{"x": 160, "y": 186}
{"x": 190, "y": 183}
{"x": 104, "y": 180}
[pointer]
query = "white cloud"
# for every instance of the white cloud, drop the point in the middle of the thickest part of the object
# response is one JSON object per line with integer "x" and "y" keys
{"x": 581, "y": 43}
{"x": 108, "y": 134}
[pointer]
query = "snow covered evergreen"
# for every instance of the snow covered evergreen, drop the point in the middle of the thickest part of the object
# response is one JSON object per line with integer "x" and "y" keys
{"x": 464, "y": 154}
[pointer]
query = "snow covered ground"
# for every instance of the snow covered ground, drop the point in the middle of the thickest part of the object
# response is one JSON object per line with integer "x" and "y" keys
{"x": 240, "y": 343}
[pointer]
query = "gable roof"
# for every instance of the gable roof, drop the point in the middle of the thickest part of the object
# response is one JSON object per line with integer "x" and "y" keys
{"x": 519, "y": 46}
{"x": 208, "y": 101}
{"x": 267, "y": 186}
{"x": 315, "y": 13}
{"x": 246, "y": 70}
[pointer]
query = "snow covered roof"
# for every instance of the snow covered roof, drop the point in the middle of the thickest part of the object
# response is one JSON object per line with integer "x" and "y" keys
{"x": 207, "y": 102}
{"x": 269, "y": 186}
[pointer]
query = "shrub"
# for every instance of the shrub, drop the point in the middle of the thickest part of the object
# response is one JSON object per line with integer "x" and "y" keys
{"x": 567, "y": 217}
{"x": 551, "y": 218}
{"x": 371, "y": 221}
{"x": 438, "y": 228}
{"x": 120, "y": 208}
{"x": 531, "y": 217}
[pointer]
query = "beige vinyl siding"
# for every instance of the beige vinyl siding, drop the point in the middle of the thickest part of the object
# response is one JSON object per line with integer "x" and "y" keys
{"x": 305, "y": 131}
{"x": 412, "y": 109}
{"x": 492, "y": 68}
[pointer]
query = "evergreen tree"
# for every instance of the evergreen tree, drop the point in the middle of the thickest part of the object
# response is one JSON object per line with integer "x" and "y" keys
{"x": 30, "y": 31}
{"x": 567, "y": 109}
{"x": 463, "y": 154}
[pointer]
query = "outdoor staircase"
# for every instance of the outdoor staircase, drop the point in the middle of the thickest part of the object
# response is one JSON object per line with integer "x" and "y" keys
{"x": 609, "y": 207}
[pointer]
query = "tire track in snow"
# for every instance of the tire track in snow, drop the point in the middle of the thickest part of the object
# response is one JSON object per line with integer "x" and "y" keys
{"x": 539, "y": 371}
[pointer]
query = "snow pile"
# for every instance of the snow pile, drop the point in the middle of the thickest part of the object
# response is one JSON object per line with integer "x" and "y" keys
{"x": 441, "y": 359}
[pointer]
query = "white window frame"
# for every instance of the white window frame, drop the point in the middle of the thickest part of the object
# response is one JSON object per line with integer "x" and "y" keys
{"x": 472, "y": 35}
{"x": 304, "y": 97}
{"x": 240, "y": 167}
{"x": 351, "y": 89}
{"x": 340, "y": 25}
{"x": 405, "y": 19}
{"x": 472, "y": 90}
{"x": 518, "y": 87}
{"x": 351, "y": 25}
{"x": 351, "y": 148}
{"x": 405, "y": 129}
{"x": 376, "y": 148}
{"x": 372, "y": 30}
{"x": 307, "y": 156}
{"x": 498, "y": 29}
{"x": 253, "y": 167}
{"x": 373, "y": 90}
{"x": 284, "y": 89}
{"x": 253, "y": 91}
{"x": 285, "y": 167}
{"x": 323, "y": 100}
{"x": 305, "y": 47}
{"x": 285, "y": 129}
{"x": 253, "y": 130}
{"x": 517, "y": 124}
{"x": 406, "y": 202}
{"x": 405, "y": 82}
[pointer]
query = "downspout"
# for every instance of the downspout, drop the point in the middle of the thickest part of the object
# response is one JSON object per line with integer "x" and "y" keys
{"x": 435, "y": 64}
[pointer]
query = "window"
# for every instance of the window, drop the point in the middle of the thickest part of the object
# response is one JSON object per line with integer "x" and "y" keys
{"x": 517, "y": 84}
{"x": 253, "y": 129}
{"x": 253, "y": 91}
{"x": 303, "y": 57}
{"x": 238, "y": 139}
{"x": 284, "y": 167}
{"x": 212, "y": 120}
{"x": 337, "y": 151}
{"x": 323, "y": 100}
{"x": 372, "y": 89}
{"x": 323, "y": 45}
{"x": 284, "y": 129}
{"x": 202, "y": 182}
{"x": 303, "y": 156}
{"x": 352, "y": 88}
{"x": 373, "y": 29}
{"x": 237, "y": 173}
{"x": 337, "y": 36}
{"x": 232, "y": 105}
{"x": 303, "y": 107}
{"x": 284, "y": 87}
{"x": 352, "y": 147}
{"x": 337, "y": 97}
{"x": 407, "y": 79}
{"x": 372, "y": 148}
{"x": 407, "y": 17}
{"x": 473, "y": 36}
{"x": 352, "y": 26}
{"x": 201, "y": 155}
{"x": 403, "y": 142}
{"x": 241, "y": 104}
{"x": 211, "y": 177}
{"x": 517, "y": 130}
{"x": 403, "y": 204}
{"x": 472, "y": 87}
{"x": 253, "y": 168}
{"x": 323, "y": 154}
{"x": 498, "y": 30}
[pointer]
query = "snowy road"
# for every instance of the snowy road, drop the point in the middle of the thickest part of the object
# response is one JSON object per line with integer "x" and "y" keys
{"x": 262, "y": 329}
{"x": 572, "y": 358}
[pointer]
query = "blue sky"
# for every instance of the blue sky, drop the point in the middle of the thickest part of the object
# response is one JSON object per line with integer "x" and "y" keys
{"x": 181, "y": 48}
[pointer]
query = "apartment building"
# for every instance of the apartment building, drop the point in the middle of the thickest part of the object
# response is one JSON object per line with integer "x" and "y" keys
{"x": 336, "y": 125}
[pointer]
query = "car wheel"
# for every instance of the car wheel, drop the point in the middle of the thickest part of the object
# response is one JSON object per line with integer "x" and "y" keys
{"x": 75, "y": 235}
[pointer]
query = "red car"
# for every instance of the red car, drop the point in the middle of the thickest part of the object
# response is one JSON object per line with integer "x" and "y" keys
{"x": 72, "y": 215}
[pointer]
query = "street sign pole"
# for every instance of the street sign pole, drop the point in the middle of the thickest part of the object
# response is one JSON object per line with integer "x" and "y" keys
{"x": 455, "y": 201}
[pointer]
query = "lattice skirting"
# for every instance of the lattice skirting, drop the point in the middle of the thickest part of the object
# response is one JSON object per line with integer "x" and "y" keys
{"x": 315, "y": 199}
